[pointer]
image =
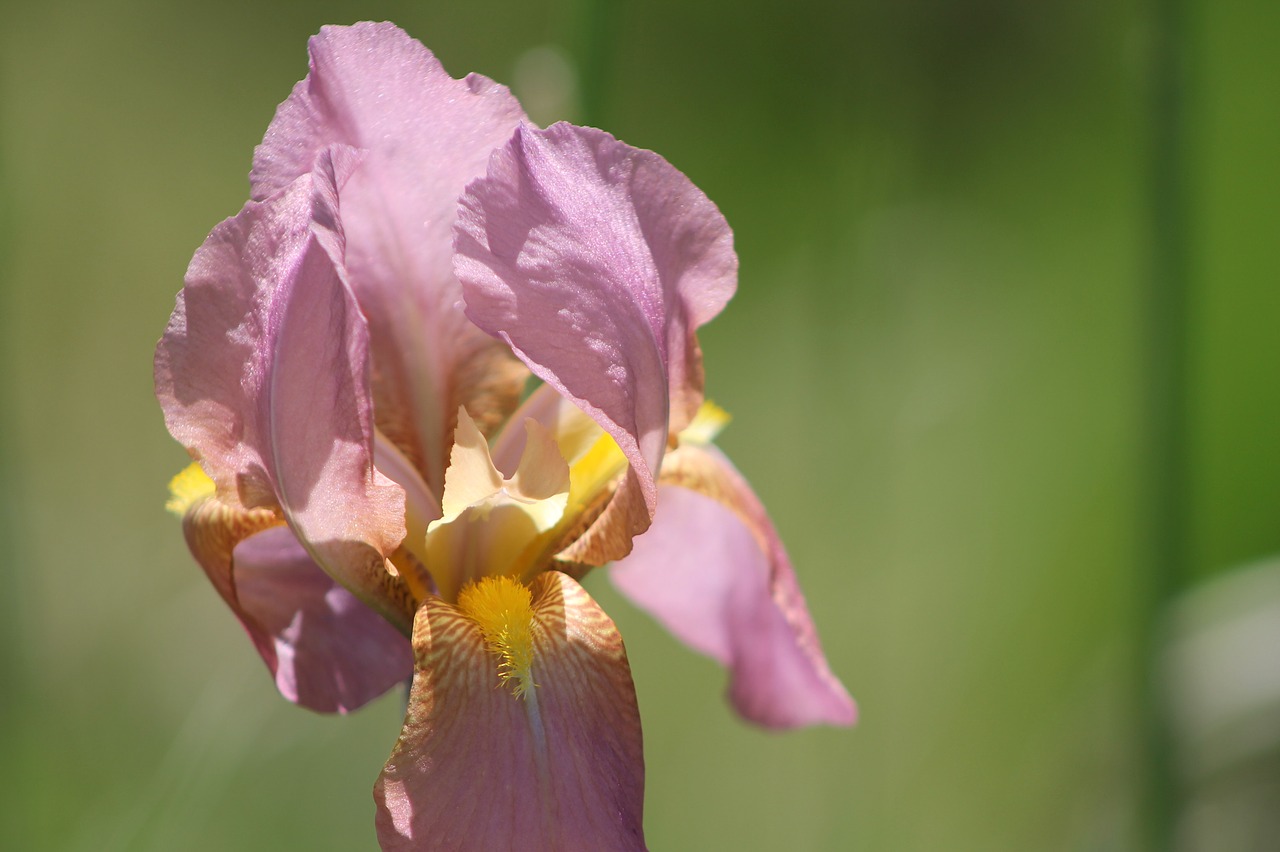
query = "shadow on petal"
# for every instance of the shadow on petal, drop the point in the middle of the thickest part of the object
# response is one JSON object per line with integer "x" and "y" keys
{"x": 329, "y": 652}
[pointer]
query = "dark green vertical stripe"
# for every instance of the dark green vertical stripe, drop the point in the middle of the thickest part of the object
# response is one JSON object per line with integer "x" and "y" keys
{"x": 593, "y": 49}
{"x": 1166, "y": 498}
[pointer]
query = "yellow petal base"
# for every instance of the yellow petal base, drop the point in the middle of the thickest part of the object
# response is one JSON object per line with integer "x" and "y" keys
{"x": 190, "y": 486}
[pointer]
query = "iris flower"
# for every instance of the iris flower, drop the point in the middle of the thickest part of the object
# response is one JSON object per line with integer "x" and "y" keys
{"x": 345, "y": 364}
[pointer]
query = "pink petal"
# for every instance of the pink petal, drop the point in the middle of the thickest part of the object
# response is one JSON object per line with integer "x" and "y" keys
{"x": 327, "y": 650}
{"x": 212, "y": 529}
{"x": 597, "y": 261}
{"x": 263, "y": 374}
{"x": 553, "y": 411}
{"x": 472, "y": 771}
{"x": 712, "y": 570}
{"x": 422, "y": 135}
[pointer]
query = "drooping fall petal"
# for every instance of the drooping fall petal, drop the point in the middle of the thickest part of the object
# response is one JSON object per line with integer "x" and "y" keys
{"x": 713, "y": 571}
{"x": 325, "y": 649}
{"x": 597, "y": 261}
{"x": 422, "y": 135}
{"x": 263, "y": 374}
{"x": 478, "y": 767}
{"x": 214, "y": 527}
{"x": 329, "y": 651}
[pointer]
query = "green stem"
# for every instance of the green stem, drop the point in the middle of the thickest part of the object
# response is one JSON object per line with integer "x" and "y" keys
{"x": 595, "y": 25}
{"x": 1166, "y": 427}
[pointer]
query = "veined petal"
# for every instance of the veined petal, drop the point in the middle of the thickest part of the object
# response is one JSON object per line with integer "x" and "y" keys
{"x": 713, "y": 571}
{"x": 263, "y": 374}
{"x": 478, "y": 767}
{"x": 422, "y": 135}
{"x": 597, "y": 261}
{"x": 212, "y": 529}
{"x": 331, "y": 653}
{"x": 325, "y": 649}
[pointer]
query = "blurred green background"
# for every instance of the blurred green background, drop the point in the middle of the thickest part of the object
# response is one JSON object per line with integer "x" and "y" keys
{"x": 935, "y": 359}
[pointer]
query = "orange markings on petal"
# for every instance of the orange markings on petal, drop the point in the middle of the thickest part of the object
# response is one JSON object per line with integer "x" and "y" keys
{"x": 213, "y": 529}
{"x": 474, "y": 769}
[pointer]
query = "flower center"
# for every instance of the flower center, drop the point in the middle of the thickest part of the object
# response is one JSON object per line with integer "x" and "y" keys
{"x": 492, "y": 526}
{"x": 503, "y": 610}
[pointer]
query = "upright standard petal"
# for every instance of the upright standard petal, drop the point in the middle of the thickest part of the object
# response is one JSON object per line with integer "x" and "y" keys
{"x": 713, "y": 571}
{"x": 263, "y": 375}
{"x": 597, "y": 261}
{"x": 554, "y": 764}
{"x": 422, "y": 136}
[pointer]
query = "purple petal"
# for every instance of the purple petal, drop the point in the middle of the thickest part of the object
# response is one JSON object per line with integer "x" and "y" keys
{"x": 712, "y": 570}
{"x": 328, "y": 651}
{"x": 474, "y": 770}
{"x": 263, "y": 374}
{"x": 597, "y": 261}
{"x": 325, "y": 649}
{"x": 422, "y": 136}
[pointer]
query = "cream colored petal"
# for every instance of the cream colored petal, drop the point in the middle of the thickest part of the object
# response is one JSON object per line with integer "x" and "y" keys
{"x": 574, "y": 431}
{"x": 543, "y": 471}
{"x": 471, "y": 477}
{"x": 492, "y": 526}
{"x": 485, "y": 540}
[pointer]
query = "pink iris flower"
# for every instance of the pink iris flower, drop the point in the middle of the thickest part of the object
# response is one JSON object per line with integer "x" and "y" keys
{"x": 345, "y": 364}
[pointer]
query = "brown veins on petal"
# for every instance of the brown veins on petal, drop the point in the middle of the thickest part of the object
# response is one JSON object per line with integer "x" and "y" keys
{"x": 213, "y": 528}
{"x": 605, "y": 530}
